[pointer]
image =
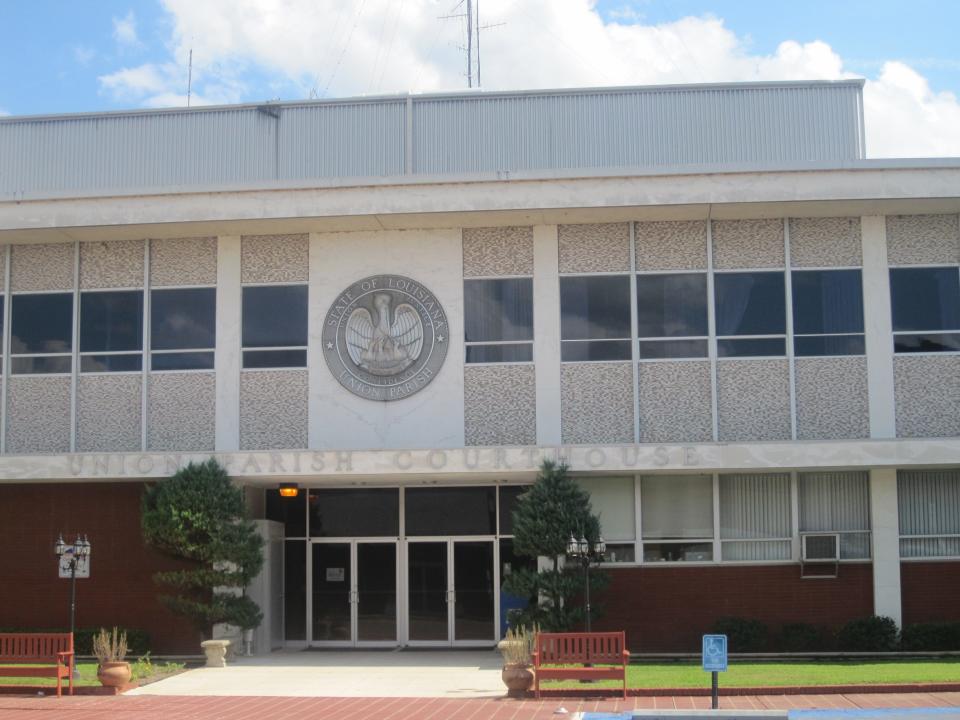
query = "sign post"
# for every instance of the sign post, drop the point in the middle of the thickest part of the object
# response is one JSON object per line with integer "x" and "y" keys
{"x": 714, "y": 659}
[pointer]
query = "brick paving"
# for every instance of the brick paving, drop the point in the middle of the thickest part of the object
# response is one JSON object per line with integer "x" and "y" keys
{"x": 357, "y": 708}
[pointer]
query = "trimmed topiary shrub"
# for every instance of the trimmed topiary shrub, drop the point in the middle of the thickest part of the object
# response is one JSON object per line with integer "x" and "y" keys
{"x": 931, "y": 636}
{"x": 800, "y": 637}
{"x": 869, "y": 634}
{"x": 743, "y": 635}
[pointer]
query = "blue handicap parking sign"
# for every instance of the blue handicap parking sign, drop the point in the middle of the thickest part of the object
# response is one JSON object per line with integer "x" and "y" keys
{"x": 714, "y": 653}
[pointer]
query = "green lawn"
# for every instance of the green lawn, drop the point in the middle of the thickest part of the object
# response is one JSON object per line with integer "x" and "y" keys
{"x": 142, "y": 673}
{"x": 663, "y": 675}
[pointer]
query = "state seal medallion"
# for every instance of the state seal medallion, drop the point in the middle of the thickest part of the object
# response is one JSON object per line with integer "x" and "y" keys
{"x": 385, "y": 337}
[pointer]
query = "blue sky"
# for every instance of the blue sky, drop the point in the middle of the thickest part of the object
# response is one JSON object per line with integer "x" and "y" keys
{"x": 59, "y": 56}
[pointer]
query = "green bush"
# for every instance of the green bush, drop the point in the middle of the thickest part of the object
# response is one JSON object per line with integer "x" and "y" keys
{"x": 743, "y": 635}
{"x": 869, "y": 634}
{"x": 931, "y": 636}
{"x": 800, "y": 637}
{"x": 138, "y": 641}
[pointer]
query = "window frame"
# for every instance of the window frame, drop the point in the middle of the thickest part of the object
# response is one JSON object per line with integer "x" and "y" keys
{"x": 485, "y": 343}
{"x": 181, "y": 351}
{"x": 629, "y": 340}
{"x": 793, "y": 305}
{"x": 899, "y": 333}
{"x": 705, "y": 272}
{"x": 74, "y": 326}
{"x": 718, "y": 338}
{"x": 91, "y": 353}
{"x": 278, "y": 348}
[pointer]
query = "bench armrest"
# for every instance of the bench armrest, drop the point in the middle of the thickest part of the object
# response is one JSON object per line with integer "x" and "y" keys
{"x": 64, "y": 654}
{"x": 536, "y": 658}
{"x": 626, "y": 657}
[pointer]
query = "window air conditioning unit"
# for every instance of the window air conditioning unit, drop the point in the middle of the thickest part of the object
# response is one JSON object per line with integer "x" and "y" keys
{"x": 821, "y": 547}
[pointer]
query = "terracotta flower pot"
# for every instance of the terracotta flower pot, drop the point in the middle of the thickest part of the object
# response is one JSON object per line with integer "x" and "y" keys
{"x": 517, "y": 678}
{"x": 113, "y": 674}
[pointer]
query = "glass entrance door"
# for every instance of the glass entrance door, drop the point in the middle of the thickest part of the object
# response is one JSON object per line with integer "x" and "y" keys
{"x": 353, "y": 593}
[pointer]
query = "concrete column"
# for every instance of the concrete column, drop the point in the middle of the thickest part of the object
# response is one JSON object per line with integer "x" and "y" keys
{"x": 227, "y": 359}
{"x": 878, "y": 326}
{"x": 885, "y": 534}
{"x": 546, "y": 332}
{"x": 315, "y": 362}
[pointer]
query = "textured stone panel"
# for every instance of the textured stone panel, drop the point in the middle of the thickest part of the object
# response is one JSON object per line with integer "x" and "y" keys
{"x": 108, "y": 412}
{"x": 274, "y": 258}
{"x": 675, "y": 400}
{"x": 832, "y": 399}
{"x": 596, "y": 403}
{"x": 927, "y": 391}
{"x": 748, "y": 244}
{"x": 753, "y": 399}
{"x": 181, "y": 411}
{"x": 111, "y": 264}
{"x": 38, "y": 414}
{"x": 500, "y": 405}
{"x": 923, "y": 239}
{"x": 668, "y": 245}
{"x": 3, "y": 268}
{"x": 273, "y": 410}
{"x": 825, "y": 242}
{"x": 183, "y": 261}
{"x": 42, "y": 267}
{"x": 601, "y": 247}
{"x": 497, "y": 251}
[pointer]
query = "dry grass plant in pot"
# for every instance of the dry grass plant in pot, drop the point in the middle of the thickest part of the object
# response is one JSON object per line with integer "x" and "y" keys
{"x": 517, "y": 650}
{"x": 110, "y": 649}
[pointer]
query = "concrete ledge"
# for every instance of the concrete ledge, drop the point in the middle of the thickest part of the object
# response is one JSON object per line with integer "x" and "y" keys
{"x": 737, "y": 691}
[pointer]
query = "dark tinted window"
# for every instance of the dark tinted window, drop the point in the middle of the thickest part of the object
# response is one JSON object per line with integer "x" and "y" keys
{"x": 924, "y": 343}
{"x": 925, "y": 298}
{"x": 182, "y": 361}
{"x": 292, "y": 512}
{"x": 359, "y": 513}
{"x": 751, "y": 347}
{"x": 672, "y": 305}
{"x": 183, "y": 319}
{"x": 663, "y": 349}
{"x": 594, "y": 308}
{"x": 42, "y": 323}
{"x": 496, "y": 310}
{"x": 111, "y": 321}
{"x": 274, "y": 358}
{"x": 522, "y": 352}
{"x": 827, "y": 302}
{"x": 451, "y": 511}
{"x": 275, "y": 316}
{"x": 829, "y": 345}
{"x": 111, "y": 363}
{"x": 595, "y": 351}
{"x": 508, "y": 501}
{"x": 750, "y": 303}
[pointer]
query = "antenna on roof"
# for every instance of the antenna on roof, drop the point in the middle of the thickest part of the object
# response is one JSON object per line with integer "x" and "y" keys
{"x": 473, "y": 26}
{"x": 189, "y": 76}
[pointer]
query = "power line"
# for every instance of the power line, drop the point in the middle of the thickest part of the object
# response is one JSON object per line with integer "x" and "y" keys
{"x": 345, "y": 46}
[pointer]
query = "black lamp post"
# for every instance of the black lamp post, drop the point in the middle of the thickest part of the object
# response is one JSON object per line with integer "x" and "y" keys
{"x": 79, "y": 549}
{"x": 581, "y": 551}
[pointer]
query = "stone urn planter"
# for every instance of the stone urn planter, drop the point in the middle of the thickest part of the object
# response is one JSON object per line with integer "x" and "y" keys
{"x": 518, "y": 678}
{"x": 113, "y": 674}
{"x": 216, "y": 651}
{"x": 517, "y": 650}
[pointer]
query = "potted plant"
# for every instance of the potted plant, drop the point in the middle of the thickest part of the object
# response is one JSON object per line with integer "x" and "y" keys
{"x": 517, "y": 650}
{"x": 110, "y": 650}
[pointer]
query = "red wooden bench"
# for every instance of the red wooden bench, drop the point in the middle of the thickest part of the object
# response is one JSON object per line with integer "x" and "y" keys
{"x": 608, "y": 649}
{"x": 52, "y": 652}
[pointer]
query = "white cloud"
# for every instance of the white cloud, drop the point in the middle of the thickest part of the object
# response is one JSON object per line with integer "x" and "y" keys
{"x": 125, "y": 30}
{"x": 334, "y": 48}
{"x": 3, "y": 113}
{"x": 83, "y": 55}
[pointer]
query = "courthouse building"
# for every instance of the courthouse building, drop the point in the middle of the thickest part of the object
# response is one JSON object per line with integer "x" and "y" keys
{"x": 741, "y": 334}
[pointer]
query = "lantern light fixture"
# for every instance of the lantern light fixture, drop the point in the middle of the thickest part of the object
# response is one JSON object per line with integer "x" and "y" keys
{"x": 289, "y": 490}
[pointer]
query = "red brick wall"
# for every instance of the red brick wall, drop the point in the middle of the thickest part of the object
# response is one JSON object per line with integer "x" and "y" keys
{"x": 120, "y": 590}
{"x": 930, "y": 591}
{"x": 667, "y": 609}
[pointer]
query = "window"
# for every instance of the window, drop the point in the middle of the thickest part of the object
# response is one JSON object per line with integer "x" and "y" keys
{"x": 595, "y": 318}
{"x": 275, "y": 326}
{"x": 827, "y": 312}
{"x": 361, "y": 513}
{"x": 612, "y": 501}
{"x": 498, "y": 321}
{"x": 672, "y": 315}
{"x": 926, "y": 309}
{"x": 182, "y": 328}
{"x": 451, "y": 511}
{"x": 837, "y": 502}
{"x": 751, "y": 314}
{"x": 41, "y": 337}
{"x": 509, "y": 494}
{"x": 111, "y": 331}
{"x": 929, "y": 513}
{"x": 755, "y": 517}
{"x": 677, "y": 518}
{"x": 2, "y": 318}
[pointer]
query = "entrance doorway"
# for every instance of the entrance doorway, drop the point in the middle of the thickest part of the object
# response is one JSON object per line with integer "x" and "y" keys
{"x": 353, "y": 599}
{"x": 451, "y": 592}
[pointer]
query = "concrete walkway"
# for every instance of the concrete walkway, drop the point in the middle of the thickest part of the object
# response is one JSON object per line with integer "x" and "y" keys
{"x": 345, "y": 673}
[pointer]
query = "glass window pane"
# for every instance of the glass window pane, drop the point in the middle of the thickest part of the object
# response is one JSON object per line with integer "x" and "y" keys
{"x": 934, "y": 342}
{"x": 111, "y": 321}
{"x": 594, "y": 308}
{"x": 42, "y": 323}
{"x": 595, "y": 351}
{"x": 274, "y": 358}
{"x": 3, "y": 315}
{"x": 834, "y": 501}
{"x": 827, "y": 301}
{"x": 621, "y": 553}
{"x": 752, "y": 347}
{"x": 43, "y": 364}
{"x": 750, "y": 303}
{"x": 496, "y": 310}
{"x": 508, "y": 501}
{"x": 676, "y": 506}
{"x": 357, "y": 513}
{"x": 677, "y": 552}
{"x": 612, "y": 501}
{"x": 275, "y": 316}
{"x": 925, "y": 298}
{"x": 755, "y": 551}
{"x": 295, "y": 590}
{"x": 672, "y": 305}
{"x": 450, "y": 511}
{"x": 181, "y": 361}
{"x": 292, "y": 512}
{"x": 811, "y": 345}
{"x": 522, "y": 352}
{"x": 929, "y": 502}
{"x": 111, "y": 363}
{"x": 661, "y": 349}
{"x": 755, "y": 506}
{"x": 183, "y": 318}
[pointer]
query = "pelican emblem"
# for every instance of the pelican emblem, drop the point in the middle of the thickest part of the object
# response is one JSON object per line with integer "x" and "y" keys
{"x": 384, "y": 345}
